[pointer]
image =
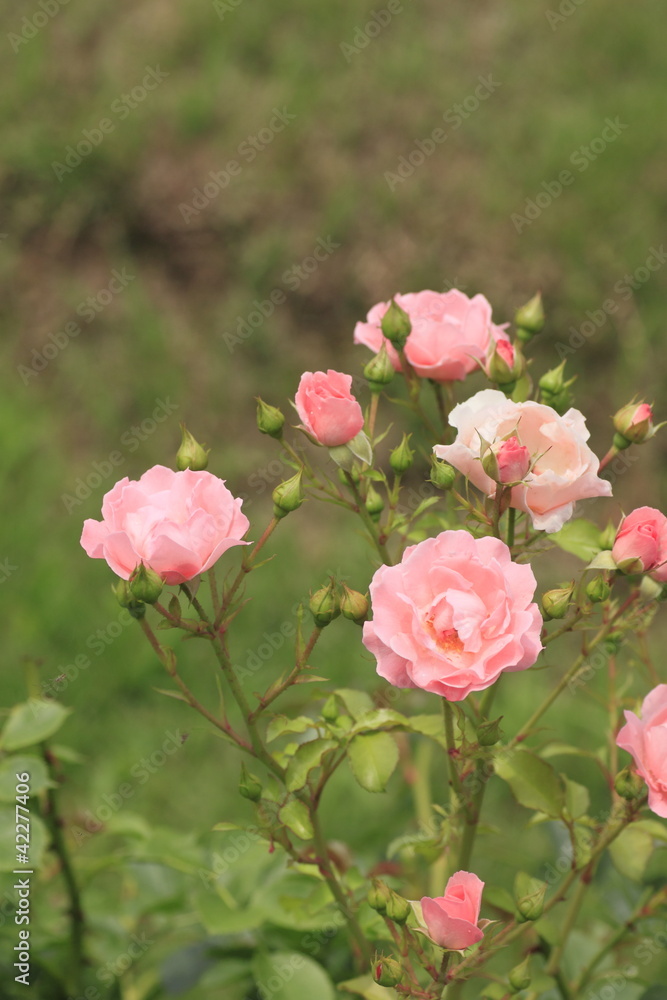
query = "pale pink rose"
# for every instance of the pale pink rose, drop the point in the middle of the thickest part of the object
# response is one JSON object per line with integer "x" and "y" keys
{"x": 176, "y": 523}
{"x": 506, "y": 351}
{"x": 646, "y": 740}
{"x": 451, "y": 920}
{"x": 641, "y": 543}
{"x": 513, "y": 460}
{"x": 327, "y": 408}
{"x": 450, "y": 334}
{"x": 453, "y": 615}
{"x": 564, "y": 469}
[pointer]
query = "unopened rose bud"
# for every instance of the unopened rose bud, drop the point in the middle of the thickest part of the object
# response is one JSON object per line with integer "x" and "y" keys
{"x": 488, "y": 733}
{"x": 629, "y": 785}
{"x": 555, "y": 389}
{"x": 250, "y": 786}
{"x": 354, "y": 606}
{"x": 379, "y": 895}
{"x": 598, "y": 590}
{"x": 396, "y": 325}
{"x": 398, "y": 909}
{"x": 330, "y": 709}
{"x": 387, "y": 972}
{"x": 288, "y": 496}
{"x": 634, "y": 423}
{"x": 530, "y": 318}
{"x": 507, "y": 462}
{"x": 443, "y": 475}
{"x": 191, "y": 455}
{"x": 402, "y": 457}
{"x": 325, "y": 605}
{"x": 529, "y": 895}
{"x": 126, "y": 599}
{"x": 519, "y": 977}
{"x": 374, "y": 503}
{"x": 556, "y": 602}
{"x": 379, "y": 371}
{"x": 505, "y": 363}
{"x": 270, "y": 419}
{"x": 608, "y": 536}
{"x": 145, "y": 584}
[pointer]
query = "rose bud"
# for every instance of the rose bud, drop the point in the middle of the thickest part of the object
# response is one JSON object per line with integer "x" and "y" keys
{"x": 146, "y": 585}
{"x": 641, "y": 543}
{"x": 628, "y": 784}
{"x": 555, "y": 389}
{"x": 327, "y": 409}
{"x": 270, "y": 419}
{"x": 354, "y": 605}
{"x": 530, "y": 318}
{"x": 529, "y": 894}
{"x": 325, "y": 605}
{"x": 191, "y": 455}
{"x": 288, "y": 496}
{"x": 125, "y": 598}
{"x": 379, "y": 371}
{"x": 443, "y": 475}
{"x": 507, "y": 462}
{"x": 634, "y": 423}
{"x": 556, "y": 602}
{"x": 379, "y": 895}
{"x": 250, "y": 787}
{"x": 519, "y": 977}
{"x": 396, "y": 325}
{"x": 398, "y": 909}
{"x": 505, "y": 364}
{"x": 387, "y": 972}
{"x": 402, "y": 457}
{"x": 488, "y": 733}
{"x": 374, "y": 503}
{"x": 451, "y": 920}
{"x": 598, "y": 590}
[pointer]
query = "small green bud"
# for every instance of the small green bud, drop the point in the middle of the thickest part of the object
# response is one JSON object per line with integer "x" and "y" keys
{"x": 443, "y": 475}
{"x": 488, "y": 733}
{"x": 270, "y": 419}
{"x": 556, "y": 602}
{"x": 402, "y": 457}
{"x": 530, "y": 317}
{"x": 387, "y": 972}
{"x": 325, "y": 605}
{"x": 505, "y": 364}
{"x": 126, "y": 599}
{"x": 374, "y": 503}
{"x": 634, "y": 423}
{"x": 555, "y": 389}
{"x": 288, "y": 496}
{"x": 330, "y": 709}
{"x": 250, "y": 786}
{"x": 628, "y": 784}
{"x": 620, "y": 442}
{"x": 613, "y": 641}
{"x": 379, "y": 371}
{"x": 398, "y": 909}
{"x": 598, "y": 590}
{"x": 519, "y": 977}
{"x": 379, "y": 895}
{"x": 529, "y": 894}
{"x": 396, "y": 325}
{"x": 191, "y": 455}
{"x": 145, "y": 584}
{"x": 354, "y": 605}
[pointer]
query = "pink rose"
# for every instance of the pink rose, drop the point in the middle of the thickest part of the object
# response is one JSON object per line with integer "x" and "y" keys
{"x": 646, "y": 740}
{"x": 451, "y": 920}
{"x": 511, "y": 461}
{"x": 564, "y": 469}
{"x": 635, "y": 422}
{"x": 453, "y": 615}
{"x": 641, "y": 543}
{"x": 327, "y": 408}
{"x": 450, "y": 333}
{"x": 176, "y": 523}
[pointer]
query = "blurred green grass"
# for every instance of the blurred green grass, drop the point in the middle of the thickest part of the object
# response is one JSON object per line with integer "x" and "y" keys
{"x": 323, "y": 176}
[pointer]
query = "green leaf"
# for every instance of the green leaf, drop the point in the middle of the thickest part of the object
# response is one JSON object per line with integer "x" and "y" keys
{"x": 534, "y": 783}
{"x": 577, "y": 798}
{"x": 655, "y": 992}
{"x": 631, "y": 851}
{"x": 580, "y": 537}
{"x": 281, "y": 724}
{"x": 425, "y": 504}
{"x": 356, "y": 702}
{"x": 32, "y": 722}
{"x": 380, "y": 718}
{"x": 218, "y": 917}
{"x": 366, "y": 987}
{"x": 11, "y": 766}
{"x": 296, "y": 818}
{"x": 373, "y": 760}
{"x": 308, "y": 756}
{"x": 288, "y": 975}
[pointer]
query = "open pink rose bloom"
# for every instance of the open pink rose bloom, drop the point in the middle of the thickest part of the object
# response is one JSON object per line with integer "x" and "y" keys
{"x": 451, "y": 920}
{"x": 453, "y": 615}
{"x": 646, "y": 740}
{"x": 176, "y": 523}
